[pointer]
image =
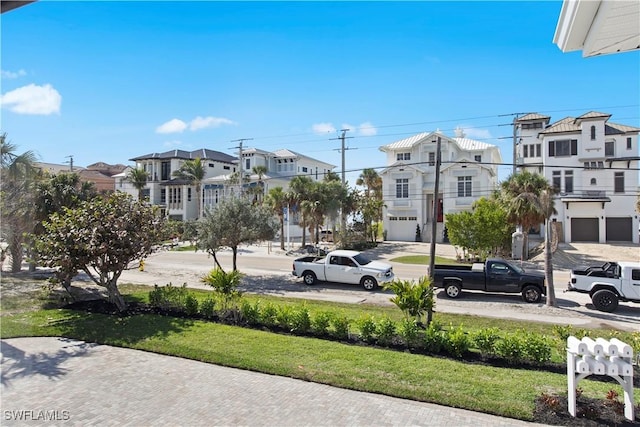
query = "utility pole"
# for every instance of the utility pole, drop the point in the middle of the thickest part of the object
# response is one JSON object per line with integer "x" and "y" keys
{"x": 240, "y": 172}
{"x": 70, "y": 161}
{"x": 434, "y": 220}
{"x": 343, "y": 217}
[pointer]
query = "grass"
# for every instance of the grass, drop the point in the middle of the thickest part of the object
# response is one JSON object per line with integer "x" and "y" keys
{"x": 422, "y": 260}
{"x": 501, "y": 391}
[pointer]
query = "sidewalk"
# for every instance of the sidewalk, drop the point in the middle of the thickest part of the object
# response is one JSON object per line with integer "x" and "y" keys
{"x": 83, "y": 384}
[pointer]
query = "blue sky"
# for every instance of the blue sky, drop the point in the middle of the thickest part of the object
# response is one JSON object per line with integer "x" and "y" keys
{"x": 109, "y": 81}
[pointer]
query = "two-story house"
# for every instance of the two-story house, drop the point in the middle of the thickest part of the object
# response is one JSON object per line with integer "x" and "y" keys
{"x": 176, "y": 197}
{"x": 594, "y": 165}
{"x": 469, "y": 170}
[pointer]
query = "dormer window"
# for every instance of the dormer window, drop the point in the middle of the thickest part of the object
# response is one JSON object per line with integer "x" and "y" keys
{"x": 403, "y": 156}
{"x": 593, "y": 133}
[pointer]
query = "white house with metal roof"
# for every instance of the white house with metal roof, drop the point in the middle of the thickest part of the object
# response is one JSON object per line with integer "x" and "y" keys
{"x": 469, "y": 170}
{"x": 177, "y": 198}
{"x": 594, "y": 164}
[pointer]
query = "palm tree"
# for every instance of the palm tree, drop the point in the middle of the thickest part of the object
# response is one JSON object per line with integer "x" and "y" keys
{"x": 372, "y": 203}
{"x": 528, "y": 198}
{"x": 277, "y": 200}
{"x": 17, "y": 174}
{"x": 138, "y": 178}
{"x": 259, "y": 190}
{"x": 300, "y": 188}
{"x": 194, "y": 172}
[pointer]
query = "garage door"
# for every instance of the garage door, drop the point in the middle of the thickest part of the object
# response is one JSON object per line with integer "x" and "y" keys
{"x": 619, "y": 230}
{"x": 584, "y": 230}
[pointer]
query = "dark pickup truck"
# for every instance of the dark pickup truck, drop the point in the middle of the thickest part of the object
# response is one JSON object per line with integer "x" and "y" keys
{"x": 494, "y": 275}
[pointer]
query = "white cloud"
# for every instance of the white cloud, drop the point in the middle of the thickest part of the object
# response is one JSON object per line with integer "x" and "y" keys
{"x": 33, "y": 99}
{"x": 172, "y": 126}
{"x": 322, "y": 128}
{"x": 367, "y": 129}
{"x": 12, "y": 74}
{"x": 209, "y": 122}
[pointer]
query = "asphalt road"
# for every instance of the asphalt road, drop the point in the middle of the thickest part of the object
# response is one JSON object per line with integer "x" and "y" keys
{"x": 269, "y": 272}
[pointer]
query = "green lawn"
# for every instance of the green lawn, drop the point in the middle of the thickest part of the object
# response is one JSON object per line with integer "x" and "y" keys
{"x": 501, "y": 391}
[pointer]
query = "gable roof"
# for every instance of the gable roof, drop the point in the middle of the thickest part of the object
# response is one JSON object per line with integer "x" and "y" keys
{"x": 202, "y": 153}
{"x": 594, "y": 115}
{"x": 572, "y": 125}
{"x": 568, "y": 124}
{"x": 406, "y": 143}
{"x": 465, "y": 144}
{"x": 533, "y": 116}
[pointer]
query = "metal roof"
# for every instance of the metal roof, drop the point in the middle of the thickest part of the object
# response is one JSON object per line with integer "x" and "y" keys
{"x": 533, "y": 116}
{"x": 594, "y": 115}
{"x": 406, "y": 143}
{"x": 202, "y": 153}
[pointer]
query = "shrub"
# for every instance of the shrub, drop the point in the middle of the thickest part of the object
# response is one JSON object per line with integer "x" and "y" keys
{"x": 169, "y": 297}
{"x": 485, "y": 341}
{"x": 413, "y": 299}
{"x": 208, "y": 308}
{"x": 225, "y": 286}
{"x": 367, "y": 327}
{"x": 434, "y": 338}
{"x": 510, "y": 348}
{"x": 321, "y": 322}
{"x": 340, "y": 326}
{"x": 386, "y": 330}
{"x": 269, "y": 314}
{"x": 456, "y": 341}
{"x": 250, "y": 313}
{"x": 191, "y": 305}
{"x": 409, "y": 332}
{"x": 536, "y": 348}
{"x": 300, "y": 320}
{"x": 283, "y": 316}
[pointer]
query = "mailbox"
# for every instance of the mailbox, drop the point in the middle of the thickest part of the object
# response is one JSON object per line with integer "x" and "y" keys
{"x": 600, "y": 357}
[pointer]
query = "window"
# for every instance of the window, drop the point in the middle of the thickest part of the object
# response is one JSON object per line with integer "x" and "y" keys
{"x": 609, "y": 148}
{"x": 478, "y": 158}
{"x": 163, "y": 195}
{"x": 593, "y": 133}
{"x": 538, "y": 150}
{"x": 247, "y": 164}
{"x": 525, "y": 150}
{"x": 165, "y": 171}
{"x": 555, "y": 180}
{"x": 635, "y": 274}
{"x": 618, "y": 182}
{"x": 432, "y": 159}
{"x": 628, "y": 143}
{"x": 403, "y": 156}
{"x": 568, "y": 181}
{"x": 563, "y": 148}
{"x": 464, "y": 186}
{"x": 593, "y": 181}
{"x": 402, "y": 188}
{"x": 226, "y": 168}
{"x": 212, "y": 165}
{"x": 537, "y": 125}
{"x": 189, "y": 194}
{"x": 305, "y": 169}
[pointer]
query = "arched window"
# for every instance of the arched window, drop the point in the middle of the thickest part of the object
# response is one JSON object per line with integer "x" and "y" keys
{"x": 593, "y": 181}
{"x": 593, "y": 132}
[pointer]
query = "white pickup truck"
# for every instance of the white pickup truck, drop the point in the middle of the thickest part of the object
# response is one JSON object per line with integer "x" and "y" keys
{"x": 608, "y": 284}
{"x": 343, "y": 266}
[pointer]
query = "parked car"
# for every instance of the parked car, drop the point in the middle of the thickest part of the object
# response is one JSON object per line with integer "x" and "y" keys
{"x": 608, "y": 284}
{"x": 494, "y": 275}
{"x": 326, "y": 236}
{"x": 343, "y": 266}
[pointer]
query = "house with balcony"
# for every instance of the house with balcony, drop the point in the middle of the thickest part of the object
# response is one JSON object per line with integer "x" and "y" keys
{"x": 469, "y": 170}
{"x": 594, "y": 165}
{"x": 280, "y": 167}
{"x": 176, "y": 198}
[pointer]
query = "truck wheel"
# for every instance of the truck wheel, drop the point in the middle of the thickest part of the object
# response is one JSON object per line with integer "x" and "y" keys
{"x": 452, "y": 290}
{"x": 369, "y": 283}
{"x": 309, "y": 278}
{"x": 605, "y": 300}
{"x": 531, "y": 294}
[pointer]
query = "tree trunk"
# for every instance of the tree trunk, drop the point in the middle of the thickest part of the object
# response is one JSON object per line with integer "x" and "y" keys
{"x": 548, "y": 265}
{"x": 235, "y": 257}
{"x": 304, "y": 232}
{"x": 114, "y": 295}
{"x": 16, "y": 256}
